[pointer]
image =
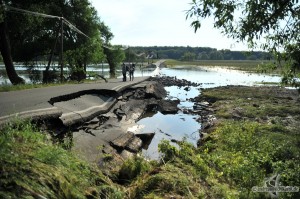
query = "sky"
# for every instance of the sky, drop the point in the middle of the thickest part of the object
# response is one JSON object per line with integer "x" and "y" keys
{"x": 159, "y": 23}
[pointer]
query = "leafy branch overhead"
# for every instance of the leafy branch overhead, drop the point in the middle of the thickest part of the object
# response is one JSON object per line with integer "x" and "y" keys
{"x": 251, "y": 20}
{"x": 270, "y": 25}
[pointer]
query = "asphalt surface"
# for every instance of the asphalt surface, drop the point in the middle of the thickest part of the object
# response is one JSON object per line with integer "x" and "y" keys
{"x": 71, "y": 102}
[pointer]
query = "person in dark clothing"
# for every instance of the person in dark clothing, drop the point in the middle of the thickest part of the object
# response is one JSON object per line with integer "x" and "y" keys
{"x": 124, "y": 70}
{"x": 131, "y": 71}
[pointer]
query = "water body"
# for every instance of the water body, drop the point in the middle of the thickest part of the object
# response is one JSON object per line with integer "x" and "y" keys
{"x": 184, "y": 126}
{"x": 24, "y": 73}
{"x": 99, "y": 69}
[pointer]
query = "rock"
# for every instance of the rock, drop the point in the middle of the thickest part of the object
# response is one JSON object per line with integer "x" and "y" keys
{"x": 168, "y": 106}
{"x": 133, "y": 109}
{"x": 174, "y": 141}
{"x": 126, "y": 154}
{"x": 201, "y": 105}
{"x": 186, "y": 111}
{"x": 102, "y": 119}
{"x": 156, "y": 90}
{"x": 206, "y": 125}
{"x": 146, "y": 139}
{"x": 196, "y": 111}
{"x": 187, "y": 88}
{"x": 120, "y": 113}
{"x": 236, "y": 113}
{"x": 128, "y": 94}
{"x": 139, "y": 94}
{"x": 127, "y": 141}
{"x": 209, "y": 122}
{"x": 173, "y": 81}
{"x": 120, "y": 98}
{"x": 134, "y": 145}
{"x": 122, "y": 141}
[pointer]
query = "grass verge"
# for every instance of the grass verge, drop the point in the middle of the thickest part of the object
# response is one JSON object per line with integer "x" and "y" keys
{"x": 33, "y": 167}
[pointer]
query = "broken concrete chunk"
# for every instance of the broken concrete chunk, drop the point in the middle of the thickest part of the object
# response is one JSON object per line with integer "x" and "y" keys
{"x": 168, "y": 106}
{"x": 135, "y": 145}
{"x": 155, "y": 90}
{"x": 122, "y": 141}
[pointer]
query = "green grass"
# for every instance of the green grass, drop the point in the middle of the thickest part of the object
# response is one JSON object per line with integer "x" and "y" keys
{"x": 244, "y": 65}
{"x": 237, "y": 155}
{"x": 33, "y": 167}
{"x": 9, "y": 87}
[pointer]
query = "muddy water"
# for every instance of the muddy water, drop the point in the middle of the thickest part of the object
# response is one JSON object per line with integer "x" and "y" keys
{"x": 184, "y": 126}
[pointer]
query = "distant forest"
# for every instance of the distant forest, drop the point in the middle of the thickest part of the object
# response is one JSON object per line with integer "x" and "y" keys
{"x": 196, "y": 53}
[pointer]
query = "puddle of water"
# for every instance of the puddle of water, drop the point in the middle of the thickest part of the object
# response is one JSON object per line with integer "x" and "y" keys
{"x": 175, "y": 93}
{"x": 171, "y": 126}
{"x": 168, "y": 127}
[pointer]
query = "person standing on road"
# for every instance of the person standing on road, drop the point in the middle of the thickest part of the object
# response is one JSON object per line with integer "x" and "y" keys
{"x": 131, "y": 71}
{"x": 124, "y": 70}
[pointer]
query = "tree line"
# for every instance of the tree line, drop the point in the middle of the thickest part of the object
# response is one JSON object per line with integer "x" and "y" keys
{"x": 200, "y": 53}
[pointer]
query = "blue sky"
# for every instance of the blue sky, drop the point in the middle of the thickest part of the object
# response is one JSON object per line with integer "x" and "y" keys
{"x": 160, "y": 23}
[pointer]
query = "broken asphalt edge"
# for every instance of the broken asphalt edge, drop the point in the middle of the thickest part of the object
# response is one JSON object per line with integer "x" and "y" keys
{"x": 71, "y": 118}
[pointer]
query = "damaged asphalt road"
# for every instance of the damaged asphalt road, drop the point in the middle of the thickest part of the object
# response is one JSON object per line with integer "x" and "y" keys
{"x": 112, "y": 134}
{"x": 37, "y": 103}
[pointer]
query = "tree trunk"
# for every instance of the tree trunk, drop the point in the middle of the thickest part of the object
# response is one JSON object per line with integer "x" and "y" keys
{"x": 46, "y": 75}
{"x": 112, "y": 67}
{"x": 6, "y": 55}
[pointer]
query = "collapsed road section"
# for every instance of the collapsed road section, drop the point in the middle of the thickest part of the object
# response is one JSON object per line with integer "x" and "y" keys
{"x": 98, "y": 123}
{"x": 83, "y": 106}
{"x": 34, "y": 103}
{"x": 111, "y": 134}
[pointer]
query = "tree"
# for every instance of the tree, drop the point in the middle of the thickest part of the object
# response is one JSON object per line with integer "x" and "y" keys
{"x": 216, "y": 55}
{"x": 277, "y": 22}
{"x": 6, "y": 50}
{"x": 33, "y": 35}
{"x": 114, "y": 55}
{"x": 188, "y": 56}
